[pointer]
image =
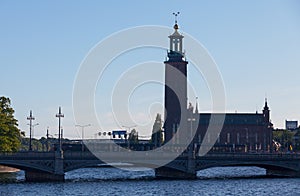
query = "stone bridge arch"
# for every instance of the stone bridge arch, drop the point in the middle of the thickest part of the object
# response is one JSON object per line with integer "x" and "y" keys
{"x": 289, "y": 168}
{"x": 41, "y": 166}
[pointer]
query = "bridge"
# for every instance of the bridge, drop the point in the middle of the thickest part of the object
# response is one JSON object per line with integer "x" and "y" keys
{"x": 52, "y": 166}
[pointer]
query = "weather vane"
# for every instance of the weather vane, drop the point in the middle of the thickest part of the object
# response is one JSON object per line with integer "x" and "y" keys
{"x": 176, "y": 14}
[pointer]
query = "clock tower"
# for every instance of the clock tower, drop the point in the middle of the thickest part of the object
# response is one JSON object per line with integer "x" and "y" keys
{"x": 175, "y": 86}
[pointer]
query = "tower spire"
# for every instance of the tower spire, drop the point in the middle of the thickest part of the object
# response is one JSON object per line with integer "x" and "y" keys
{"x": 266, "y": 104}
{"x": 196, "y": 110}
{"x": 176, "y": 38}
{"x": 176, "y": 25}
{"x": 266, "y": 112}
{"x": 176, "y": 14}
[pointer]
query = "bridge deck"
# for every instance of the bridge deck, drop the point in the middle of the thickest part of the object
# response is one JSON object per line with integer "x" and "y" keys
{"x": 47, "y": 161}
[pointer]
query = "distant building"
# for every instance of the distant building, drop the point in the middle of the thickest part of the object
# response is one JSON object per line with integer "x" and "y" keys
{"x": 241, "y": 132}
{"x": 291, "y": 125}
{"x": 296, "y": 139}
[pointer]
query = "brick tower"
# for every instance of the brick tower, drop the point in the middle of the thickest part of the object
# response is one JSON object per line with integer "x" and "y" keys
{"x": 175, "y": 86}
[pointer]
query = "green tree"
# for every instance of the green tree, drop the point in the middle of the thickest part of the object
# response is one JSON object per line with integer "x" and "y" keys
{"x": 10, "y": 135}
{"x": 284, "y": 137}
{"x": 157, "y": 136}
{"x": 133, "y": 137}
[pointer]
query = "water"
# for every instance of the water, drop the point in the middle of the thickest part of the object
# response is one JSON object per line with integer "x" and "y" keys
{"x": 111, "y": 181}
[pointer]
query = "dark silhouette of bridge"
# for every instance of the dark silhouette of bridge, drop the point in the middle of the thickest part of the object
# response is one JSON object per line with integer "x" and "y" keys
{"x": 51, "y": 166}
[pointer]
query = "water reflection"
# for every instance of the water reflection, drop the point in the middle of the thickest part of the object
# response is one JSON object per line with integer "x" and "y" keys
{"x": 115, "y": 174}
{"x": 111, "y": 181}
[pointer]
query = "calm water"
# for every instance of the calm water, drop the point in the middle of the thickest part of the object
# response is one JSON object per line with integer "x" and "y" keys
{"x": 110, "y": 181}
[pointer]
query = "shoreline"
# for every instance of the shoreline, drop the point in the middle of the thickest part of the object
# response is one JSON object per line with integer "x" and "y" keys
{"x": 6, "y": 169}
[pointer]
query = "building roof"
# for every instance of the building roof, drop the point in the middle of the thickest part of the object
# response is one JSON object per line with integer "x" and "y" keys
{"x": 235, "y": 118}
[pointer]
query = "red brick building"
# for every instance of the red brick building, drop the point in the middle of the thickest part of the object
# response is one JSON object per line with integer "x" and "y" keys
{"x": 241, "y": 132}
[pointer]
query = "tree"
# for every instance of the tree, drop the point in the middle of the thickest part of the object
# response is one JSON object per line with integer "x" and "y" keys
{"x": 157, "y": 136}
{"x": 133, "y": 137}
{"x": 284, "y": 137}
{"x": 10, "y": 135}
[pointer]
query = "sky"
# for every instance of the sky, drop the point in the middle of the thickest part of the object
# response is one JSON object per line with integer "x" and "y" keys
{"x": 255, "y": 44}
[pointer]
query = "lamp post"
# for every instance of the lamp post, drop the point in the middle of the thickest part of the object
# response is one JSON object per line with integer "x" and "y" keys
{"x": 191, "y": 151}
{"x": 47, "y": 136}
{"x": 191, "y": 128}
{"x": 31, "y": 134}
{"x": 36, "y": 124}
{"x": 59, "y": 116}
{"x": 82, "y": 134}
{"x": 30, "y": 118}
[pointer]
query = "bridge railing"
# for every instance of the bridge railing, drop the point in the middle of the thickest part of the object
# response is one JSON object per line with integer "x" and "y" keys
{"x": 79, "y": 155}
{"x": 252, "y": 155}
{"x": 44, "y": 155}
{"x": 89, "y": 155}
{"x": 26, "y": 155}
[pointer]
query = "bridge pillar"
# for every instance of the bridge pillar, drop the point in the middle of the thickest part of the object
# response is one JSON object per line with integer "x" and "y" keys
{"x": 189, "y": 171}
{"x": 165, "y": 172}
{"x": 57, "y": 175}
{"x": 59, "y": 163}
{"x": 283, "y": 173}
{"x": 38, "y": 176}
{"x": 59, "y": 166}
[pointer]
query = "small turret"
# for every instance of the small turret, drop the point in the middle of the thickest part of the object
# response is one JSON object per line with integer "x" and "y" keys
{"x": 176, "y": 41}
{"x": 266, "y": 112}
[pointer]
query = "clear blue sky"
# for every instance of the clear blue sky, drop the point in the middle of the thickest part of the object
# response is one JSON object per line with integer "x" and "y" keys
{"x": 256, "y": 45}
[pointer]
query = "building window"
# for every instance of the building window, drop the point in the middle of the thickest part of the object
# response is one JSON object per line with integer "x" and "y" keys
{"x": 256, "y": 137}
{"x": 228, "y": 138}
{"x": 265, "y": 142}
{"x": 238, "y": 138}
{"x": 199, "y": 138}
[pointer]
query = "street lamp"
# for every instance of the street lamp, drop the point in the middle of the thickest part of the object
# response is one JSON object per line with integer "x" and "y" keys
{"x": 192, "y": 151}
{"x": 47, "y": 136}
{"x": 59, "y": 116}
{"x": 82, "y": 134}
{"x": 31, "y": 134}
{"x": 36, "y": 124}
{"x": 30, "y": 118}
{"x": 191, "y": 120}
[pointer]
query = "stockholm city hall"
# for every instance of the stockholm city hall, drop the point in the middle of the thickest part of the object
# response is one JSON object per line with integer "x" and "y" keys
{"x": 241, "y": 132}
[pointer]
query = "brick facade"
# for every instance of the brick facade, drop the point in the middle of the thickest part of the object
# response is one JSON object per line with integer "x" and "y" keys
{"x": 241, "y": 132}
